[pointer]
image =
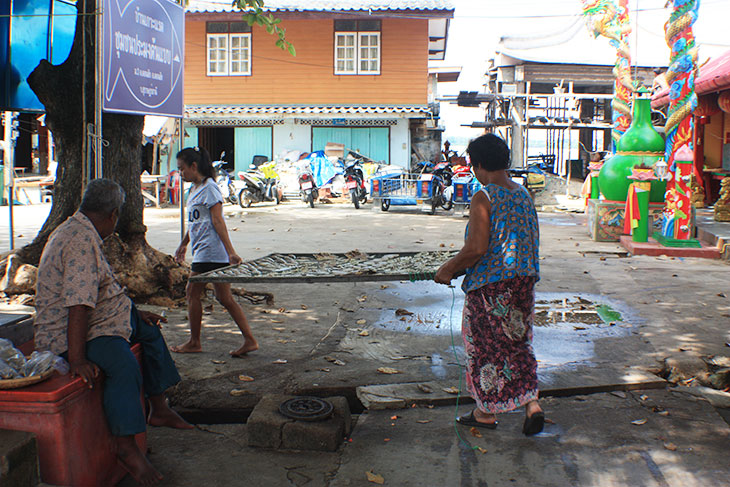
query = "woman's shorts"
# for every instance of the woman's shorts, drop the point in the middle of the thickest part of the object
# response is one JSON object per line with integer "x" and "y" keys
{"x": 203, "y": 267}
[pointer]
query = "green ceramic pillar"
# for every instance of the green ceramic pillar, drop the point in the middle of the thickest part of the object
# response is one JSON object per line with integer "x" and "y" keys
{"x": 595, "y": 189}
{"x": 641, "y": 233}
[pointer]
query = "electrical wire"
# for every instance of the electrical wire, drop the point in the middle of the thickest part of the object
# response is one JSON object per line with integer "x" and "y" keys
{"x": 461, "y": 372}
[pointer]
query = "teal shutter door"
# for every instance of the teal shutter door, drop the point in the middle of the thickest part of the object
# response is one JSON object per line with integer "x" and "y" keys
{"x": 249, "y": 142}
{"x": 191, "y": 137}
{"x": 372, "y": 142}
{"x": 380, "y": 144}
{"x": 320, "y": 137}
{"x": 361, "y": 141}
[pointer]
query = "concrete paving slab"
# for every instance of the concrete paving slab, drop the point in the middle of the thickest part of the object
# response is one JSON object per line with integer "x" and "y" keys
{"x": 590, "y": 440}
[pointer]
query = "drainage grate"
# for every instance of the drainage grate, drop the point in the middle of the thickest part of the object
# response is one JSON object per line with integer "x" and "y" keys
{"x": 306, "y": 408}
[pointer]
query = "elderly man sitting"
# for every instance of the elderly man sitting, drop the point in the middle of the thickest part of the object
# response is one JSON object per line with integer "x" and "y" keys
{"x": 84, "y": 315}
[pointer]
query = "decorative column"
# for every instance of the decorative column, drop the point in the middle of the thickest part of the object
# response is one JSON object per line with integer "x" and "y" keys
{"x": 636, "y": 218}
{"x": 678, "y": 210}
{"x": 610, "y": 20}
{"x": 679, "y": 127}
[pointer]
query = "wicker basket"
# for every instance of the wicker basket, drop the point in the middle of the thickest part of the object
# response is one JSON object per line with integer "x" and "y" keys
{"x": 25, "y": 381}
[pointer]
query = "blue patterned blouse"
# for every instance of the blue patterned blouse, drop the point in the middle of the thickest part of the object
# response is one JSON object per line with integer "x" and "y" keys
{"x": 513, "y": 242}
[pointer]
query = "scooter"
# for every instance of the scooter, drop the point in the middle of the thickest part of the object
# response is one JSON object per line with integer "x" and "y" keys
{"x": 224, "y": 181}
{"x": 258, "y": 188}
{"x": 355, "y": 182}
{"x": 441, "y": 177}
{"x": 307, "y": 187}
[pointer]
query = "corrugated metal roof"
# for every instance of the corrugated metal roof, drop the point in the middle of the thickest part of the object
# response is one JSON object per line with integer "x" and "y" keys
{"x": 227, "y": 110}
{"x": 325, "y": 5}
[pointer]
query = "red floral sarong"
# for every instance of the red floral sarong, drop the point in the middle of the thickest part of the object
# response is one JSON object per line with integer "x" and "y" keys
{"x": 501, "y": 369}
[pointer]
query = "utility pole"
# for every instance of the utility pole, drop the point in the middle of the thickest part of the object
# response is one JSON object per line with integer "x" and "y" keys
{"x": 9, "y": 135}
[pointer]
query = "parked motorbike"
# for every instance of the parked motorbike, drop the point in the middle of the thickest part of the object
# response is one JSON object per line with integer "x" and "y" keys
{"x": 355, "y": 182}
{"x": 224, "y": 181}
{"x": 258, "y": 188}
{"x": 307, "y": 187}
{"x": 441, "y": 177}
{"x": 532, "y": 178}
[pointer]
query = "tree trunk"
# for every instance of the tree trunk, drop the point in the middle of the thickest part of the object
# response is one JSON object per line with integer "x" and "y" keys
{"x": 65, "y": 91}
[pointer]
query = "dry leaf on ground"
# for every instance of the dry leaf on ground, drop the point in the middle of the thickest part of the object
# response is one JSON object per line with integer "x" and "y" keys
{"x": 305, "y": 307}
{"x": 423, "y": 421}
{"x": 670, "y": 446}
{"x": 364, "y": 333}
{"x": 279, "y": 328}
{"x": 218, "y": 362}
{"x": 362, "y": 322}
{"x": 339, "y": 362}
{"x": 638, "y": 422}
{"x": 282, "y": 310}
{"x": 238, "y": 392}
{"x": 481, "y": 450}
{"x": 388, "y": 370}
{"x": 451, "y": 390}
{"x": 280, "y": 361}
{"x": 403, "y": 312}
{"x": 425, "y": 388}
{"x": 375, "y": 478}
{"x": 475, "y": 432}
{"x": 384, "y": 286}
{"x": 245, "y": 378}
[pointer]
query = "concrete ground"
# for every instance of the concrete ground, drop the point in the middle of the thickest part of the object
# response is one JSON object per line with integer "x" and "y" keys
{"x": 666, "y": 307}
{"x": 589, "y": 441}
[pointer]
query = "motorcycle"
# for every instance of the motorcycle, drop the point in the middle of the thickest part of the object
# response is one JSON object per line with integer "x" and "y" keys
{"x": 307, "y": 187}
{"x": 258, "y": 188}
{"x": 224, "y": 180}
{"x": 441, "y": 177}
{"x": 532, "y": 178}
{"x": 355, "y": 182}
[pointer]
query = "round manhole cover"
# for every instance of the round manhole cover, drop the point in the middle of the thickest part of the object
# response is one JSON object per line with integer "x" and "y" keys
{"x": 306, "y": 408}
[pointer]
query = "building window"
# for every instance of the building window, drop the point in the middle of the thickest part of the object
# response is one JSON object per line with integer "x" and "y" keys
{"x": 228, "y": 48}
{"x": 357, "y": 47}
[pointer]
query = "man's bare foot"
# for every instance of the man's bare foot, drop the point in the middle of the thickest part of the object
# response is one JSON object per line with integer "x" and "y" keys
{"x": 135, "y": 462}
{"x": 187, "y": 347}
{"x": 248, "y": 346}
{"x": 484, "y": 417}
{"x": 169, "y": 418}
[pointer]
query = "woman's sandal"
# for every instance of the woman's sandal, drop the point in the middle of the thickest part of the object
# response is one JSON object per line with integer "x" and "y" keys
{"x": 470, "y": 420}
{"x": 534, "y": 424}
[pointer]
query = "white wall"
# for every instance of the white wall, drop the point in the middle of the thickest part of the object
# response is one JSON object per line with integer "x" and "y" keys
{"x": 290, "y": 136}
{"x": 400, "y": 143}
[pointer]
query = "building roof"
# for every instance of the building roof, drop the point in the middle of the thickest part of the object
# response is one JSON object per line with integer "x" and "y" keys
{"x": 200, "y": 111}
{"x": 572, "y": 43}
{"x": 714, "y": 76}
{"x": 325, "y": 5}
{"x": 445, "y": 74}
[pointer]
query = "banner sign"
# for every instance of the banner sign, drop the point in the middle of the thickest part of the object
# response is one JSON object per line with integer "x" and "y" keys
{"x": 143, "y": 57}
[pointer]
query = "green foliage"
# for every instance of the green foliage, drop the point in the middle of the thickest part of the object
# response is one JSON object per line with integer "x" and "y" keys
{"x": 254, "y": 14}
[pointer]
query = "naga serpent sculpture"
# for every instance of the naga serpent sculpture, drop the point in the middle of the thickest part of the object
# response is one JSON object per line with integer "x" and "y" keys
{"x": 612, "y": 21}
{"x": 679, "y": 127}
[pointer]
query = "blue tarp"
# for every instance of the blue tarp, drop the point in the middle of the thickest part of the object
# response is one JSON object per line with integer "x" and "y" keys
{"x": 322, "y": 169}
{"x": 31, "y": 30}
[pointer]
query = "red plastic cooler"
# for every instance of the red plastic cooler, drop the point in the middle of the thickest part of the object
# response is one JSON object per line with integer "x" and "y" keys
{"x": 75, "y": 447}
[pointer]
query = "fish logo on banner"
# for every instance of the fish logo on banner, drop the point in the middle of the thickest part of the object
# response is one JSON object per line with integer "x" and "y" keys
{"x": 143, "y": 54}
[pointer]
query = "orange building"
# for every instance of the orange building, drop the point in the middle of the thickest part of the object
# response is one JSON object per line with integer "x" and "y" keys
{"x": 359, "y": 77}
